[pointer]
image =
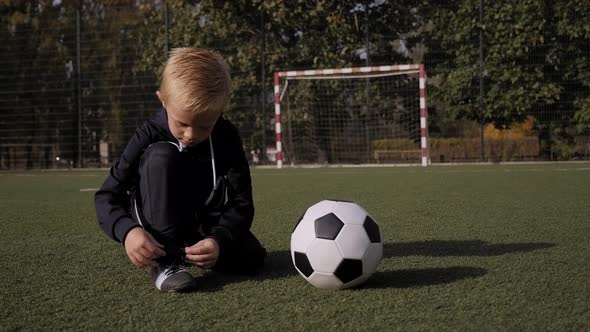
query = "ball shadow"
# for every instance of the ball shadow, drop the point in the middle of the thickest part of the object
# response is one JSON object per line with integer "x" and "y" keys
{"x": 439, "y": 248}
{"x": 422, "y": 277}
{"x": 278, "y": 264}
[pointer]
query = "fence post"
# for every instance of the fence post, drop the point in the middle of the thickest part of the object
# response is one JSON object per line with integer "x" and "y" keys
{"x": 263, "y": 158}
{"x": 481, "y": 89}
{"x": 79, "y": 162}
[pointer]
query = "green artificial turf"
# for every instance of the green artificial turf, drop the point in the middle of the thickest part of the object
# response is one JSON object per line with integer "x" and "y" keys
{"x": 491, "y": 247}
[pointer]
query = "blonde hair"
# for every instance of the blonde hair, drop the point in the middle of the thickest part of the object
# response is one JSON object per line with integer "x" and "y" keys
{"x": 197, "y": 79}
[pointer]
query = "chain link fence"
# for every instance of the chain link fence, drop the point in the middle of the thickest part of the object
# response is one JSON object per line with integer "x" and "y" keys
{"x": 507, "y": 81}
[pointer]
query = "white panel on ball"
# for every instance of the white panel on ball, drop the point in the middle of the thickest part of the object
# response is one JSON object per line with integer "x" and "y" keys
{"x": 338, "y": 253}
{"x": 353, "y": 241}
{"x": 303, "y": 235}
{"x": 324, "y": 255}
{"x": 324, "y": 280}
{"x": 318, "y": 210}
{"x": 350, "y": 213}
{"x": 372, "y": 258}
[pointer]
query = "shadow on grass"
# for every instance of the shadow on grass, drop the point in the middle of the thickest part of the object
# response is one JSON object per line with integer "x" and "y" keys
{"x": 422, "y": 277}
{"x": 438, "y": 248}
{"x": 277, "y": 265}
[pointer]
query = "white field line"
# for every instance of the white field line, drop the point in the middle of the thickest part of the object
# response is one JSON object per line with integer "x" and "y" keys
{"x": 88, "y": 189}
{"x": 53, "y": 175}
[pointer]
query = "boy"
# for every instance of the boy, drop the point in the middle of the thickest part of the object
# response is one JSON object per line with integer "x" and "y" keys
{"x": 181, "y": 192}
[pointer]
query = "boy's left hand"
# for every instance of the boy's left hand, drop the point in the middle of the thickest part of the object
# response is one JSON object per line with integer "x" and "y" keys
{"x": 203, "y": 254}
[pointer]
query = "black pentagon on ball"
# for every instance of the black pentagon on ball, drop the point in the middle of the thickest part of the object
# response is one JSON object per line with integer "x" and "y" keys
{"x": 302, "y": 263}
{"x": 372, "y": 230}
{"x": 349, "y": 269}
{"x": 328, "y": 226}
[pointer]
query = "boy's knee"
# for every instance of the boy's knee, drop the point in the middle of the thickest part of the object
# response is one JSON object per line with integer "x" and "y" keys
{"x": 160, "y": 155}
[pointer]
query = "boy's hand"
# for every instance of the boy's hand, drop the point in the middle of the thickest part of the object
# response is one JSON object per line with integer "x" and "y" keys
{"x": 142, "y": 248}
{"x": 203, "y": 254}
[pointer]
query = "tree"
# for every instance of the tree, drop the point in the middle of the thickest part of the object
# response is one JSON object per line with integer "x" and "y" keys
{"x": 34, "y": 62}
{"x": 110, "y": 84}
{"x": 528, "y": 64}
{"x": 514, "y": 68}
{"x": 573, "y": 59}
{"x": 259, "y": 37}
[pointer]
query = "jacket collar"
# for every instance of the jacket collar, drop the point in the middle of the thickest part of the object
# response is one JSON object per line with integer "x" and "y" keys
{"x": 161, "y": 119}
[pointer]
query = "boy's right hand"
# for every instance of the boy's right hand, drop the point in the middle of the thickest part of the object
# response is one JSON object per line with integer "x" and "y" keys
{"x": 141, "y": 248}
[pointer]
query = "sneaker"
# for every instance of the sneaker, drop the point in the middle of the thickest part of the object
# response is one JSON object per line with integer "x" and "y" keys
{"x": 173, "y": 278}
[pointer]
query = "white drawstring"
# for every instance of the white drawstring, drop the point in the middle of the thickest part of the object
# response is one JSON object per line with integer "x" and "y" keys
{"x": 212, "y": 160}
{"x": 137, "y": 211}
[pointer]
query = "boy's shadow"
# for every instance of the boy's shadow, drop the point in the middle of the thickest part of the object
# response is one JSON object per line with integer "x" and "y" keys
{"x": 279, "y": 265}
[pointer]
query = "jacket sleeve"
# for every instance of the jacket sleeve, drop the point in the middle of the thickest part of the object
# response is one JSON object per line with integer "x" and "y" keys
{"x": 238, "y": 212}
{"x": 112, "y": 199}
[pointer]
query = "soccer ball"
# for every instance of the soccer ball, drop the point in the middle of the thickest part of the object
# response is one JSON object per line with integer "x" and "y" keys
{"x": 336, "y": 245}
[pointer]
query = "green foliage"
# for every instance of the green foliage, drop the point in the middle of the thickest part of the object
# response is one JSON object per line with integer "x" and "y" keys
{"x": 38, "y": 88}
{"x": 582, "y": 116}
{"x": 574, "y": 59}
{"x": 108, "y": 57}
{"x": 257, "y": 36}
{"x": 515, "y": 77}
{"x": 535, "y": 57}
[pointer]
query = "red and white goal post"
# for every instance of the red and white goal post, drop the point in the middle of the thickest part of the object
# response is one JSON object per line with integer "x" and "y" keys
{"x": 362, "y": 115}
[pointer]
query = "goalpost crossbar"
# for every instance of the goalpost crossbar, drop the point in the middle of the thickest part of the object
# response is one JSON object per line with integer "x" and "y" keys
{"x": 352, "y": 73}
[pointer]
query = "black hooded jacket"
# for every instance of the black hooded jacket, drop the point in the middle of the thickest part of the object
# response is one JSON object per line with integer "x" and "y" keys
{"x": 112, "y": 201}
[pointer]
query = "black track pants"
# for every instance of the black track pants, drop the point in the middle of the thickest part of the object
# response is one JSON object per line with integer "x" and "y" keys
{"x": 172, "y": 188}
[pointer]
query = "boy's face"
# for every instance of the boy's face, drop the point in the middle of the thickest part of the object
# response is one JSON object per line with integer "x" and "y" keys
{"x": 189, "y": 128}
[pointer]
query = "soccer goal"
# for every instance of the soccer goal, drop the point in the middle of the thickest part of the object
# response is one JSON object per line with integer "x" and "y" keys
{"x": 362, "y": 115}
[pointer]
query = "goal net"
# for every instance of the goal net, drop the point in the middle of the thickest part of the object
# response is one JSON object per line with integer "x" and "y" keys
{"x": 364, "y": 115}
